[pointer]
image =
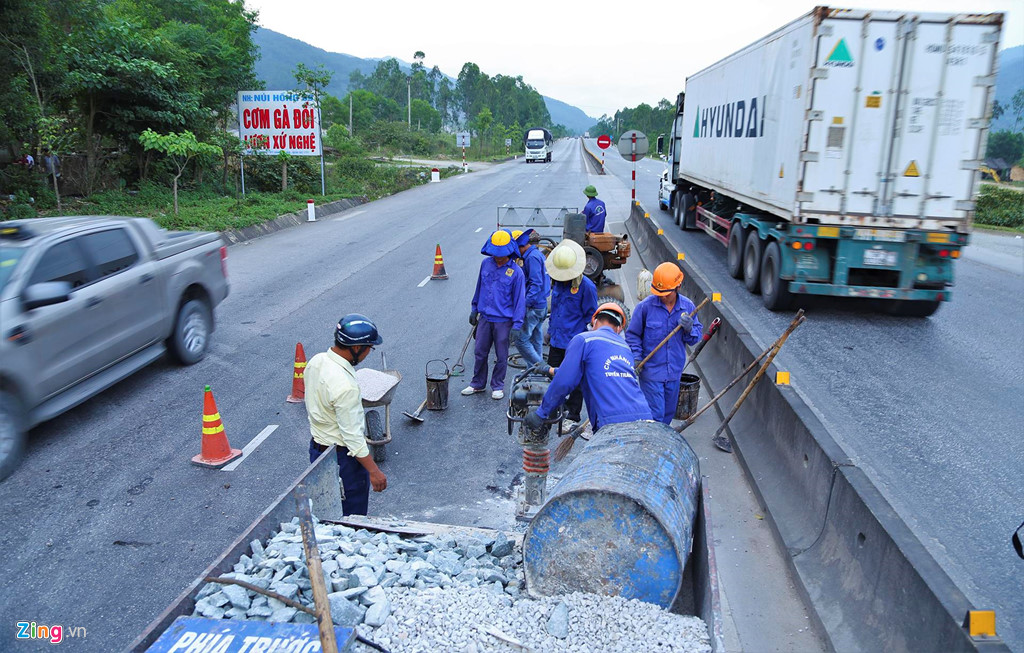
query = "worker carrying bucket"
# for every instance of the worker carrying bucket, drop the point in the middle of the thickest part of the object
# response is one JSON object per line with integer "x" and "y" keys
{"x": 654, "y": 318}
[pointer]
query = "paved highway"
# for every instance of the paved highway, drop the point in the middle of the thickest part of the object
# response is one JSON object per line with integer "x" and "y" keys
{"x": 106, "y": 521}
{"x": 930, "y": 408}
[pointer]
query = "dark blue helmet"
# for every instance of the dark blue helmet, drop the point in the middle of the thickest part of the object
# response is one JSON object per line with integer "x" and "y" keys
{"x": 354, "y": 330}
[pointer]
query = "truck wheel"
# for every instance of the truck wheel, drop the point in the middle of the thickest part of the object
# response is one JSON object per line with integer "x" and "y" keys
{"x": 735, "y": 257}
{"x": 12, "y": 433}
{"x": 375, "y": 433}
{"x": 677, "y": 202}
{"x": 752, "y": 252}
{"x": 688, "y": 212}
{"x": 607, "y": 299}
{"x": 913, "y": 307}
{"x": 191, "y": 336}
{"x": 774, "y": 290}
{"x": 595, "y": 263}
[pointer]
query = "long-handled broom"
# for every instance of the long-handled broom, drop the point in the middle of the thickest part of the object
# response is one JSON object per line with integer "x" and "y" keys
{"x": 565, "y": 446}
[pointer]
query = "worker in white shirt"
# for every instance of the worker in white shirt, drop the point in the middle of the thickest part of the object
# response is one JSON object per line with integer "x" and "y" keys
{"x": 335, "y": 410}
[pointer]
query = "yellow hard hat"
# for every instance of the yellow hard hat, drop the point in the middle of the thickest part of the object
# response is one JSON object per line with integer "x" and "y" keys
{"x": 516, "y": 234}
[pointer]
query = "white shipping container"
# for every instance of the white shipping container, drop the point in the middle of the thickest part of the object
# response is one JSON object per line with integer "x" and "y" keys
{"x": 849, "y": 117}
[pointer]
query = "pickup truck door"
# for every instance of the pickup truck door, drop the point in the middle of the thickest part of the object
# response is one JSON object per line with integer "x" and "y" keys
{"x": 128, "y": 286}
{"x": 64, "y": 341}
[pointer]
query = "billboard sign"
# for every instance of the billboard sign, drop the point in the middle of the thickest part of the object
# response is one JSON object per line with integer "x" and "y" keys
{"x": 279, "y": 121}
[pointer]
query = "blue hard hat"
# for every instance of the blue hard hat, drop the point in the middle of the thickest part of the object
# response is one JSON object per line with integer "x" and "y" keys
{"x": 524, "y": 238}
{"x": 354, "y": 330}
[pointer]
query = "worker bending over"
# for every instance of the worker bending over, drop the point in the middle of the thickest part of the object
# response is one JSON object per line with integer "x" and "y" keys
{"x": 530, "y": 341}
{"x": 653, "y": 319}
{"x": 573, "y": 301}
{"x": 499, "y": 307}
{"x": 334, "y": 406}
{"x": 595, "y": 211}
{"x": 600, "y": 363}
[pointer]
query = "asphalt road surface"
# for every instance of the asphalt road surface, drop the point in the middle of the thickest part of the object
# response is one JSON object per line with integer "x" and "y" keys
{"x": 930, "y": 408}
{"x": 106, "y": 520}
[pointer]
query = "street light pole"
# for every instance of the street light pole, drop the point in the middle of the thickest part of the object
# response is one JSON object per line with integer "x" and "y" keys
{"x": 408, "y": 90}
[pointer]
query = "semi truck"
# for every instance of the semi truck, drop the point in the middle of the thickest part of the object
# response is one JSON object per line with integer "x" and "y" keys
{"x": 538, "y": 144}
{"x": 840, "y": 154}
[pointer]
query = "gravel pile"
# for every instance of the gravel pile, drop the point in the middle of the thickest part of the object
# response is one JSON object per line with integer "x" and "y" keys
{"x": 459, "y": 591}
{"x": 374, "y": 384}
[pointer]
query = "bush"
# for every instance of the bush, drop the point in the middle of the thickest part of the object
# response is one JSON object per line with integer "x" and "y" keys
{"x": 1001, "y": 207}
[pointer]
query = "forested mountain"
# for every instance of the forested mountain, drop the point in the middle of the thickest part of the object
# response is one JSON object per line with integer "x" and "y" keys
{"x": 280, "y": 55}
{"x": 1009, "y": 81}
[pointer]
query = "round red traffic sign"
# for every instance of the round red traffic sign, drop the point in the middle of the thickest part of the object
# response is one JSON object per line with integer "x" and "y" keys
{"x": 604, "y": 141}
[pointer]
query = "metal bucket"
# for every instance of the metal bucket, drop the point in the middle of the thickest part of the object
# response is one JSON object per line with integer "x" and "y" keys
{"x": 689, "y": 391}
{"x": 437, "y": 385}
{"x": 620, "y": 522}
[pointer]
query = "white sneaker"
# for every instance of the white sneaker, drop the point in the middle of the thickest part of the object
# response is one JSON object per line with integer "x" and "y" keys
{"x": 470, "y": 390}
{"x": 498, "y": 394}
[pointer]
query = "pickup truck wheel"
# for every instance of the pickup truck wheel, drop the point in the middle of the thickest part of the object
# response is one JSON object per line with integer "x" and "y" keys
{"x": 735, "y": 256}
{"x": 191, "y": 336}
{"x": 752, "y": 252}
{"x": 12, "y": 433}
{"x": 774, "y": 290}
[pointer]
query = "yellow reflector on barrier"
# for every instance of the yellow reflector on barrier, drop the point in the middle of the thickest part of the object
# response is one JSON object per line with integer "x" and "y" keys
{"x": 782, "y": 378}
{"x": 828, "y": 232}
{"x": 661, "y": 232}
{"x": 934, "y": 237}
{"x": 716, "y": 296}
{"x": 647, "y": 215}
{"x": 680, "y": 256}
{"x": 981, "y": 623}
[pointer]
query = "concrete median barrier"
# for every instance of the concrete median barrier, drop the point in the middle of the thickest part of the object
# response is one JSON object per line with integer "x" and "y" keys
{"x": 592, "y": 160}
{"x": 872, "y": 584}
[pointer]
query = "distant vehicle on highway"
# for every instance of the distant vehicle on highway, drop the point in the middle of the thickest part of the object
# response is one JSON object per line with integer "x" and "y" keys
{"x": 840, "y": 154}
{"x": 538, "y": 145}
{"x": 86, "y": 301}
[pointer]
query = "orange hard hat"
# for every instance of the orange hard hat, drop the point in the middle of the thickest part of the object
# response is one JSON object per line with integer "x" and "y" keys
{"x": 667, "y": 277}
{"x": 612, "y": 310}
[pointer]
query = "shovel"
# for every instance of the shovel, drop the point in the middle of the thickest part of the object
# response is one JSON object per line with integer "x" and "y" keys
{"x": 459, "y": 369}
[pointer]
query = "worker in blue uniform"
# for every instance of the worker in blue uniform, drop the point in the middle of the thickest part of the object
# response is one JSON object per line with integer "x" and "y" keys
{"x": 598, "y": 361}
{"x": 530, "y": 341}
{"x": 595, "y": 211}
{"x": 499, "y": 307}
{"x": 573, "y": 302}
{"x": 653, "y": 319}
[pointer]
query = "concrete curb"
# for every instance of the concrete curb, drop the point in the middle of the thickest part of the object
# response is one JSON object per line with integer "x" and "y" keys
{"x": 870, "y": 581}
{"x": 235, "y": 236}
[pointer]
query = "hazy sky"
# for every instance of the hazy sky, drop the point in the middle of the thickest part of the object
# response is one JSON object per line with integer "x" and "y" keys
{"x": 641, "y": 54}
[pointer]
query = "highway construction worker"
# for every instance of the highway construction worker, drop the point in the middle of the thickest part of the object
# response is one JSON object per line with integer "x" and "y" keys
{"x": 600, "y": 363}
{"x": 538, "y": 286}
{"x": 335, "y": 409}
{"x": 573, "y": 302}
{"x": 499, "y": 308}
{"x": 595, "y": 211}
{"x": 653, "y": 319}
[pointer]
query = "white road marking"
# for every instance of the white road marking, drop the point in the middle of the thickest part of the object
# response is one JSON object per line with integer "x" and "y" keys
{"x": 249, "y": 448}
{"x": 478, "y": 230}
{"x": 424, "y": 282}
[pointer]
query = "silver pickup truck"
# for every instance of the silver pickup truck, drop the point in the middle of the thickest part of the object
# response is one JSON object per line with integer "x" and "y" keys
{"x": 86, "y": 301}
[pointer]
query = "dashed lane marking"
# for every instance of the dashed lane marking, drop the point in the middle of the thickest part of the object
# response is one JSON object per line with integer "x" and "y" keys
{"x": 478, "y": 230}
{"x": 249, "y": 448}
{"x": 424, "y": 282}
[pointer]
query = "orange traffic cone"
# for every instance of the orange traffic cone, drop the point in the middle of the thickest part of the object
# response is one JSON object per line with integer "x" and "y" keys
{"x": 215, "y": 451}
{"x": 298, "y": 382}
{"x": 439, "y": 272}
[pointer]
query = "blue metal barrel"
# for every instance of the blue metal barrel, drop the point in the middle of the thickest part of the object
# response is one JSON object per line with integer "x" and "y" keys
{"x": 620, "y": 521}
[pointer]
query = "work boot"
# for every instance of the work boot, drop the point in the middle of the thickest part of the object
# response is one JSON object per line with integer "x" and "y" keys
{"x": 470, "y": 390}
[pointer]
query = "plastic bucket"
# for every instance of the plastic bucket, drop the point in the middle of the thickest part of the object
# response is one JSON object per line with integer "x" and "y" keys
{"x": 437, "y": 385}
{"x": 689, "y": 391}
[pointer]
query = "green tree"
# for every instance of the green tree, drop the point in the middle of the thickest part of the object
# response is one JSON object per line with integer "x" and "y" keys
{"x": 180, "y": 149}
{"x": 1017, "y": 106}
{"x": 1006, "y": 145}
{"x": 425, "y": 117}
{"x": 481, "y": 123}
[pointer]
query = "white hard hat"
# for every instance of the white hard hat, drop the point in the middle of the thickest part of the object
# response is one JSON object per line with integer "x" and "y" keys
{"x": 566, "y": 261}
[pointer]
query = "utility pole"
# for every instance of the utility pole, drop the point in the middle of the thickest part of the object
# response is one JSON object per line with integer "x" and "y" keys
{"x": 350, "y": 114}
{"x": 408, "y": 89}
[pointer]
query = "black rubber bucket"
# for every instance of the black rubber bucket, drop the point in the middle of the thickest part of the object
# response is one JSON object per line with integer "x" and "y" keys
{"x": 689, "y": 392}
{"x": 437, "y": 385}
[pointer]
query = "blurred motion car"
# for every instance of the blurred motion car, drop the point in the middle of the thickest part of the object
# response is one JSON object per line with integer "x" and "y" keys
{"x": 85, "y": 301}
